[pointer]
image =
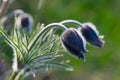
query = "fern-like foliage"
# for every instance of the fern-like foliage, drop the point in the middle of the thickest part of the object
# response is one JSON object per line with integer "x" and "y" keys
{"x": 36, "y": 51}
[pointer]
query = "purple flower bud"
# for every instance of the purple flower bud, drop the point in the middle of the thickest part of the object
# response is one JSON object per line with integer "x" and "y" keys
{"x": 91, "y": 35}
{"x": 74, "y": 43}
{"x": 24, "y": 20}
{"x": 8, "y": 20}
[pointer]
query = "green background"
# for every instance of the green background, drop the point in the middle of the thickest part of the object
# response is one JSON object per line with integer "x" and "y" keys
{"x": 102, "y": 63}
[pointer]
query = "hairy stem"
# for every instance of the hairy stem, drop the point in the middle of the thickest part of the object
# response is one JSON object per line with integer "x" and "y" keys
{"x": 20, "y": 75}
{"x": 72, "y": 22}
{"x": 52, "y": 25}
{"x": 14, "y": 66}
{"x": 12, "y": 77}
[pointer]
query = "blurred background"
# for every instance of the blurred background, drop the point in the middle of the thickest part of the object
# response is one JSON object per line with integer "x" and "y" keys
{"x": 102, "y": 63}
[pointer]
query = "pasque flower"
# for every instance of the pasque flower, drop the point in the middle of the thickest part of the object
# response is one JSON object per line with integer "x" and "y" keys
{"x": 91, "y": 35}
{"x": 74, "y": 43}
{"x": 23, "y": 20}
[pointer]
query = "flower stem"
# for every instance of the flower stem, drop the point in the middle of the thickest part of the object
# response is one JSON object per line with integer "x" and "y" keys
{"x": 12, "y": 77}
{"x": 52, "y": 25}
{"x": 20, "y": 75}
{"x": 72, "y": 22}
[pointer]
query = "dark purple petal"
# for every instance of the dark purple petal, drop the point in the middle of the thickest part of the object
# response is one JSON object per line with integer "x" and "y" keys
{"x": 92, "y": 36}
{"x": 74, "y": 43}
{"x": 25, "y": 22}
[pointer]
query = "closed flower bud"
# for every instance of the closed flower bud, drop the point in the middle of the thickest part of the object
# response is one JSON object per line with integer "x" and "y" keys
{"x": 74, "y": 43}
{"x": 24, "y": 20}
{"x": 91, "y": 35}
